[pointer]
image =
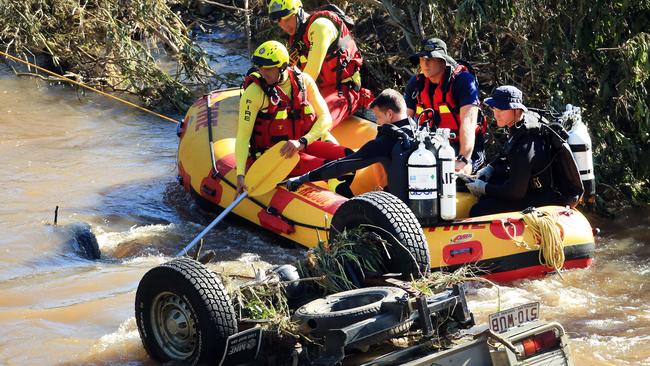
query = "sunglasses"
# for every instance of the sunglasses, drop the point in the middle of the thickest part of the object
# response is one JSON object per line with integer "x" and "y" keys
{"x": 432, "y": 47}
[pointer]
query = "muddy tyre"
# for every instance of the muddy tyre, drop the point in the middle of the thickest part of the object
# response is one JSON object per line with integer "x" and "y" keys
{"x": 184, "y": 313}
{"x": 344, "y": 308}
{"x": 83, "y": 240}
{"x": 409, "y": 252}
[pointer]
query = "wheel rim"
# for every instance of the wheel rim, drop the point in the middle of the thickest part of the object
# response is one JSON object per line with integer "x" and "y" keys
{"x": 174, "y": 325}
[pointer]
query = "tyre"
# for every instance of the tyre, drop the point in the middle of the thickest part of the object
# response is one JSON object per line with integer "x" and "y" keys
{"x": 394, "y": 332}
{"x": 344, "y": 308}
{"x": 391, "y": 219}
{"x": 82, "y": 239}
{"x": 184, "y": 313}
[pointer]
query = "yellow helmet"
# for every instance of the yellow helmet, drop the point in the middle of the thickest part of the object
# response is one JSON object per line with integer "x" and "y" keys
{"x": 282, "y": 8}
{"x": 270, "y": 54}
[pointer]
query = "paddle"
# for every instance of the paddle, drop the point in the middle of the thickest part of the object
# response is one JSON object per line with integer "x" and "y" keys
{"x": 264, "y": 175}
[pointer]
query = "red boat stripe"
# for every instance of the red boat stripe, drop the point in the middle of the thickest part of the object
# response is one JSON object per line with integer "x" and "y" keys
{"x": 281, "y": 199}
{"x": 535, "y": 271}
{"x": 526, "y": 265}
{"x": 226, "y": 164}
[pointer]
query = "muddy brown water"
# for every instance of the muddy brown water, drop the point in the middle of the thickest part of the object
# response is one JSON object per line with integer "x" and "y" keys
{"x": 114, "y": 168}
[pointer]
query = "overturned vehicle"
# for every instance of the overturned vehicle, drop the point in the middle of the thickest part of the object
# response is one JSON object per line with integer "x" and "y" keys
{"x": 298, "y": 315}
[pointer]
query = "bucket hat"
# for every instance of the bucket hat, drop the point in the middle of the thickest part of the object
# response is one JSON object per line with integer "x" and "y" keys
{"x": 506, "y": 97}
{"x": 433, "y": 48}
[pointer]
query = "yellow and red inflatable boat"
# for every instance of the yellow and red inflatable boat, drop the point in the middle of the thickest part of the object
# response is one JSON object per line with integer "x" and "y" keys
{"x": 492, "y": 243}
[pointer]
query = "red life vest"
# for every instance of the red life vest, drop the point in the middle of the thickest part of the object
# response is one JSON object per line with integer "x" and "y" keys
{"x": 286, "y": 118}
{"x": 447, "y": 112}
{"x": 343, "y": 58}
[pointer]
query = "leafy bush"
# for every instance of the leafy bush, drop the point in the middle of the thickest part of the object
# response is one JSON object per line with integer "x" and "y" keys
{"x": 110, "y": 43}
{"x": 594, "y": 54}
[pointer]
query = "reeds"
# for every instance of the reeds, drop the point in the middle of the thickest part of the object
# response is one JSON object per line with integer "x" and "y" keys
{"x": 351, "y": 253}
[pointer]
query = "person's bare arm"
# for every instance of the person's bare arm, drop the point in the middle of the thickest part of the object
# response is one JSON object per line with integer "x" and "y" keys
{"x": 467, "y": 132}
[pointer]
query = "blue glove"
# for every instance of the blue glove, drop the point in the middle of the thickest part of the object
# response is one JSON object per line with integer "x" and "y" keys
{"x": 477, "y": 187}
{"x": 485, "y": 173}
{"x": 294, "y": 183}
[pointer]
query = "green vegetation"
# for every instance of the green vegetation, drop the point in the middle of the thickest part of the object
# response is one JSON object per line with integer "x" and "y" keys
{"x": 108, "y": 43}
{"x": 264, "y": 301}
{"x": 326, "y": 269}
{"x": 356, "y": 251}
{"x": 594, "y": 54}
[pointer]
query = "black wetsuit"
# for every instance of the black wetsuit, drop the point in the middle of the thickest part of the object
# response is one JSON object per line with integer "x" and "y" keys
{"x": 522, "y": 177}
{"x": 378, "y": 150}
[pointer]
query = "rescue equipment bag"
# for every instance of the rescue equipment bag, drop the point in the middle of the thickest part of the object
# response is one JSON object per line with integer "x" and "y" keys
{"x": 338, "y": 11}
{"x": 564, "y": 170}
{"x": 343, "y": 58}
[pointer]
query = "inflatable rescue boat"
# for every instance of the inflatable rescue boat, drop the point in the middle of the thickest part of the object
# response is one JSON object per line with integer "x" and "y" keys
{"x": 501, "y": 245}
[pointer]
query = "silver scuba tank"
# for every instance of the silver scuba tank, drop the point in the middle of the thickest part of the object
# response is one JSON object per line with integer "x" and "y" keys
{"x": 423, "y": 182}
{"x": 581, "y": 148}
{"x": 447, "y": 178}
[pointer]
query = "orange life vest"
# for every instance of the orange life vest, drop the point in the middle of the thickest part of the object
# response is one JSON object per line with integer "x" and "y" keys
{"x": 343, "y": 58}
{"x": 446, "y": 110}
{"x": 286, "y": 118}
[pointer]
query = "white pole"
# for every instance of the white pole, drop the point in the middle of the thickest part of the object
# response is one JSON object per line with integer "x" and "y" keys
{"x": 212, "y": 224}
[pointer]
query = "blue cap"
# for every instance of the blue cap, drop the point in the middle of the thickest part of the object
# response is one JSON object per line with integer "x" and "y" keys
{"x": 506, "y": 97}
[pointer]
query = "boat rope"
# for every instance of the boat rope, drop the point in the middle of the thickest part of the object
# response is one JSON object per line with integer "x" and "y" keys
{"x": 88, "y": 87}
{"x": 223, "y": 178}
{"x": 547, "y": 235}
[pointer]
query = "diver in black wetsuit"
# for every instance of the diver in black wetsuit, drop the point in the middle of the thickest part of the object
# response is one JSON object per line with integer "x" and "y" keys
{"x": 520, "y": 177}
{"x": 394, "y": 127}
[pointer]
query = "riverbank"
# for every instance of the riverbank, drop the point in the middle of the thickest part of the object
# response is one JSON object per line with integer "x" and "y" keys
{"x": 600, "y": 64}
{"x": 153, "y": 53}
{"x": 112, "y": 167}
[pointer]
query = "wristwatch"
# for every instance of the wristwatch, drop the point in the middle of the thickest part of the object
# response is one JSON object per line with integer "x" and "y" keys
{"x": 303, "y": 141}
{"x": 463, "y": 159}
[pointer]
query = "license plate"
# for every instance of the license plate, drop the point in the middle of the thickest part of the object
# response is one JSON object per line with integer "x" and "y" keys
{"x": 242, "y": 348}
{"x": 507, "y": 319}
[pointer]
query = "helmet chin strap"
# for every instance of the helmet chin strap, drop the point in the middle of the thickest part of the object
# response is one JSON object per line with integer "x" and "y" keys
{"x": 281, "y": 76}
{"x": 300, "y": 16}
{"x": 282, "y": 73}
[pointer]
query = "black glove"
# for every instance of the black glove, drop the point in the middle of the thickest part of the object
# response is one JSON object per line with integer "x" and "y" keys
{"x": 294, "y": 183}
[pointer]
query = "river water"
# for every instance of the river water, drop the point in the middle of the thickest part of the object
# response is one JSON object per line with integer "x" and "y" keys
{"x": 113, "y": 167}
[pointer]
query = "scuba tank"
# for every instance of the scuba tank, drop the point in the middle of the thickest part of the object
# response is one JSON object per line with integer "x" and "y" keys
{"x": 580, "y": 144}
{"x": 423, "y": 182}
{"x": 447, "y": 178}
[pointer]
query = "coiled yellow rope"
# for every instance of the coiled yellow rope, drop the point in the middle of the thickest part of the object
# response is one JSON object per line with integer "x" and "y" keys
{"x": 548, "y": 237}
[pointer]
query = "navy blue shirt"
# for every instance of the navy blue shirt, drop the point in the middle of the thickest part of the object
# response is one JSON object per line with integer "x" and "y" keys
{"x": 464, "y": 90}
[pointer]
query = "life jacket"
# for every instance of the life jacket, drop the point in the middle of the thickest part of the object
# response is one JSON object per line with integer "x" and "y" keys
{"x": 286, "y": 118}
{"x": 561, "y": 173}
{"x": 343, "y": 58}
{"x": 446, "y": 111}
